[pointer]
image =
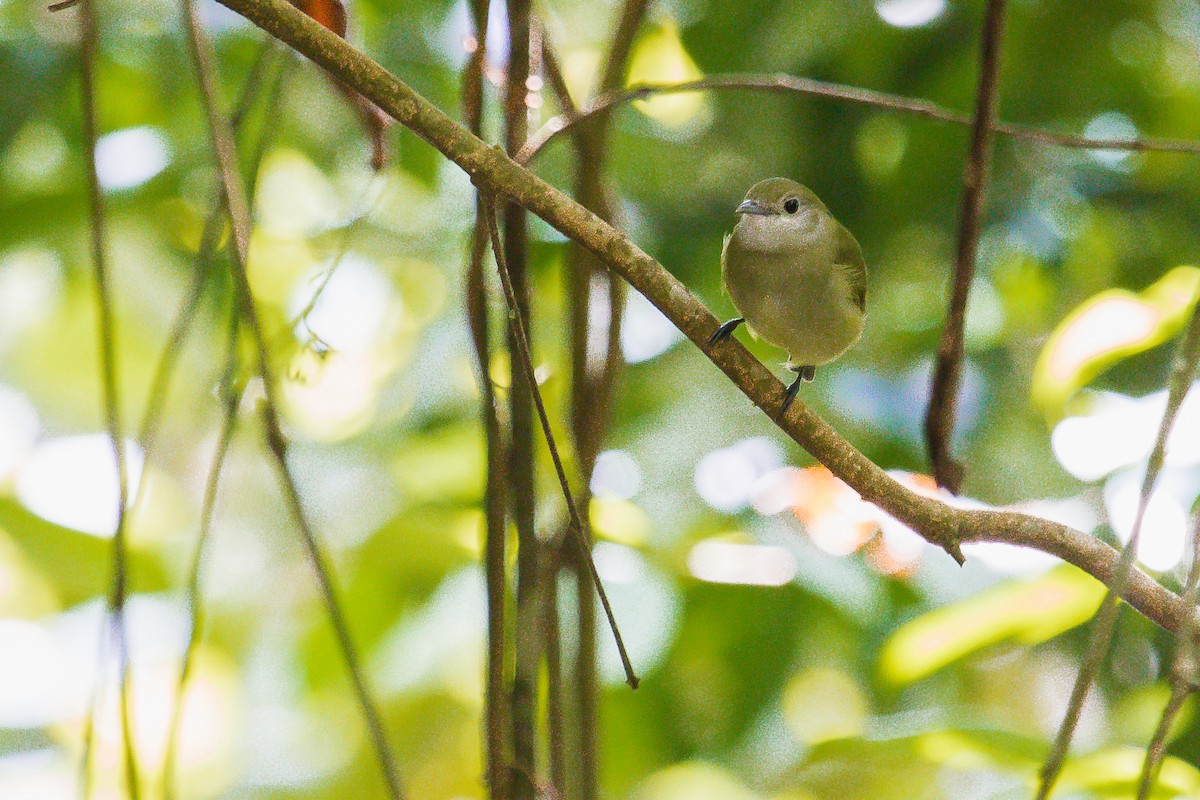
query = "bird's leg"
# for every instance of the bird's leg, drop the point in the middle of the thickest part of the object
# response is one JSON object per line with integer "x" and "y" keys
{"x": 803, "y": 374}
{"x": 725, "y": 331}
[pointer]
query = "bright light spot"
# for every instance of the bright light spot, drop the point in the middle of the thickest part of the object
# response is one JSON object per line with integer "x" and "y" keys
{"x": 616, "y": 474}
{"x": 1121, "y": 431}
{"x": 985, "y": 316}
{"x": 18, "y": 429}
{"x": 72, "y": 481}
{"x": 440, "y": 644}
{"x": 30, "y": 280}
{"x": 599, "y": 318}
{"x": 49, "y": 673}
{"x": 660, "y": 57}
{"x": 824, "y": 704}
{"x": 748, "y": 564}
{"x": 646, "y": 333}
{"x": 1109, "y": 324}
{"x": 775, "y": 492}
{"x": 726, "y": 478}
{"x": 1073, "y": 512}
{"x": 294, "y": 197}
{"x": 619, "y": 520}
{"x": 1110, "y": 125}
{"x": 331, "y": 397}
{"x": 37, "y": 775}
{"x": 901, "y": 542}
{"x": 128, "y": 158}
{"x": 909, "y": 13}
{"x": 1164, "y": 527}
{"x": 697, "y": 780}
{"x": 617, "y": 563}
{"x": 836, "y": 519}
{"x": 27, "y": 675}
{"x": 1008, "y": 559}
{"x": 351, "y": 310}
{"x": 879, "y": 145}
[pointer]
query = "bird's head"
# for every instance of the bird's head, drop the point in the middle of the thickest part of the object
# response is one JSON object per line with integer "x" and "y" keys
{"x": 779, "y": 211}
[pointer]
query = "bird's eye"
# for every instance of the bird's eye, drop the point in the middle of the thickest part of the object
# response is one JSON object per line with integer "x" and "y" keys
{"x": 791, "y": 205}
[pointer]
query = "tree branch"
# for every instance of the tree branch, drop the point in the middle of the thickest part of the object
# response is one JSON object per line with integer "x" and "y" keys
{"x": 934, "y": 520}
{"x": 778, "y": 82}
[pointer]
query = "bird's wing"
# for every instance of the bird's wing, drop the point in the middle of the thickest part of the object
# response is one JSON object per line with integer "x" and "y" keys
{"x": 848, "y": 255}
{"x": 724, "y": 247}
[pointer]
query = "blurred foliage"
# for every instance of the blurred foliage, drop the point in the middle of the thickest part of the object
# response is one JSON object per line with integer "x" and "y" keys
{"x": 822, "y": 652}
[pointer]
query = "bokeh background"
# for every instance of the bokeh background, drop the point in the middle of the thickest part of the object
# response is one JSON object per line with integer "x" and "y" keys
{"x": 793, "y": 643}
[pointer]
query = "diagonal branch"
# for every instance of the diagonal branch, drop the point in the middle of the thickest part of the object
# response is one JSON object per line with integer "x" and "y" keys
{"x": 947, "y": 375}
{"x": 933, "y": 519}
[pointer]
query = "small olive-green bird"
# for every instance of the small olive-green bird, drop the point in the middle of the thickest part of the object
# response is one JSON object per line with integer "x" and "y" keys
{"x": 796, "y": 276}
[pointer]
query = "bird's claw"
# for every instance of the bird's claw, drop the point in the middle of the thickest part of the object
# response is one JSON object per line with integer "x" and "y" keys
{"x": 725, "y": 330}
{"x": 803, "y": 375}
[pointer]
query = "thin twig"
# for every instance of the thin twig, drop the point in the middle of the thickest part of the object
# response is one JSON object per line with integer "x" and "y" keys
{"x": 214, "y": 228}
{"x": 556, "y": 126}
{"x": 1182, "y": 372}
{"x": 106, "y": 332}
{"x": 239, "y": 216}
{"x": 1183, "y": 675}
{"x": 518, "y": 325}
{"x": 947, "y": 374}
{"x": 490, "y": 168}
{"x": 232, "y": 394}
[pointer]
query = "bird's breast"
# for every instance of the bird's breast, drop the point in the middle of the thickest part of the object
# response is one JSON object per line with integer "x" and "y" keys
{"x": 796, "y": 299}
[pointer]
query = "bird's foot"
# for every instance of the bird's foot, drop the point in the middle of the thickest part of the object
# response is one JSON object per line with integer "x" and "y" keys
{"x": 804, "y": 374}
{"x": 725, "y": 330}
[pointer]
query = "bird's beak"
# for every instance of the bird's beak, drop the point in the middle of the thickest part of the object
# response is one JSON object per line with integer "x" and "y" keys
{"x": 749, "y": 206}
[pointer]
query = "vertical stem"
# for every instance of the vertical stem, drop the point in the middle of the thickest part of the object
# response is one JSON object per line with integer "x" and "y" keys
{"x": 237, "y": 205}
{"x": 592, "y": 383}
{"x": 521, "y": 454}
{"x": 106, "y": 332}
{"x": 943, "y": 400}
{"x": 495, "y": 708}
{"x": 556, "y": 722}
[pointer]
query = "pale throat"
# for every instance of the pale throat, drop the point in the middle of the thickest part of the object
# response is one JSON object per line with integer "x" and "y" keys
{"x": 768, "y": 234}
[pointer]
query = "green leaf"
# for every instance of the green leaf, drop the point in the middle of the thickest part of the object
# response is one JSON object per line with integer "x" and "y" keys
{"x": 1107, "y": 328}
{"x": 1026, "y": 611}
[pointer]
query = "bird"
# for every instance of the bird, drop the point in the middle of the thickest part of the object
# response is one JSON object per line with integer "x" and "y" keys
{"x": 796, "y": 277}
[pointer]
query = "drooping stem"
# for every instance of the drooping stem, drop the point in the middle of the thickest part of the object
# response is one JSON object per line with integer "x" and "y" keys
{"x": 947, "y": 375}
